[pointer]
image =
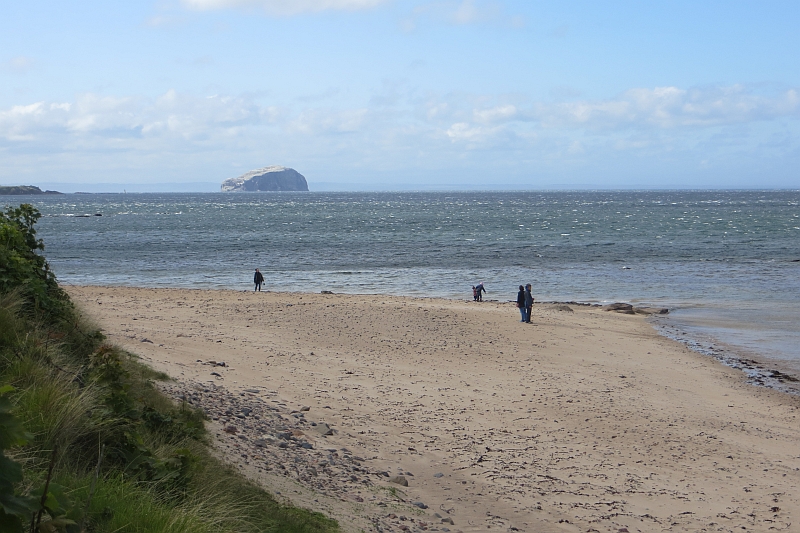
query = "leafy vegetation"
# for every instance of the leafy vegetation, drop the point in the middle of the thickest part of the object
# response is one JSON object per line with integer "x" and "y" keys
{"x": 87, "y": 442}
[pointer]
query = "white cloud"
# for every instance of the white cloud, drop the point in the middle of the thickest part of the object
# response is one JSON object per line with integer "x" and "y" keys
{"x": 317, "y": 121}
{"x": 461, "y": 131}
{"x": 284, "y": 7}
{"x": 437, "y": 110}
{"x": 177, "y": 130}
{"x": 576, "y": 148}
{"x": 476, "y": 12}
{"x": 20, "y": 64}
{"x": 671, "y": 107}
{"x": 454, "y": 117}
{"x": 107, "y": 117}
{"x": 657, "y": 109}
{"x": 495, "y": 114}
{"x": 462, "y": 12}
{"x": 164, "y": 21}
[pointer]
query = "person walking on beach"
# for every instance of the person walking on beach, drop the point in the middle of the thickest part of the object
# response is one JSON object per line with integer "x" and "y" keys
{"x": 528, "y": 303}
{"x": 258, "y": 279}
{"x": 481, "y": 289}
{"x": 521, "y": 303}
{"x": 474, "y": 294}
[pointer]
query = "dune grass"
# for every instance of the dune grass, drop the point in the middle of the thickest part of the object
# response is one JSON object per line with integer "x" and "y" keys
{"x": 83, "y": 423}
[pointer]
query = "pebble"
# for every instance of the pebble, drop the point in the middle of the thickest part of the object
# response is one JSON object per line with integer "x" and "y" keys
{"x": 262, "y": 433}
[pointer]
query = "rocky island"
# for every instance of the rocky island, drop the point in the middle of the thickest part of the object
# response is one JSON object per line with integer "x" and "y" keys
{"x": 273, "y": 178}
{"x": 18, "y": 190}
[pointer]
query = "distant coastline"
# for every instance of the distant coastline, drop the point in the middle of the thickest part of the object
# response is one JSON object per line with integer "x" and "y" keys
{"x": 22, "y": 190}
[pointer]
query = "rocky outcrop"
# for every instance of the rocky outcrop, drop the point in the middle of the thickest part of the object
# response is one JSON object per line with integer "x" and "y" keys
{"x": 619, "y": 308}
{"x": 274, "y": 178}
{"x": 628, "y": 309}
{"x": 24, "y": 189}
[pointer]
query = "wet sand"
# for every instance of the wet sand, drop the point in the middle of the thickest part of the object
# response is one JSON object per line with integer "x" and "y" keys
{"x": 584, "y": 420}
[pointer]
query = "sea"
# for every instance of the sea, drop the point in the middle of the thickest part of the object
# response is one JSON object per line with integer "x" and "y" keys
{"x": 726, "y": 263}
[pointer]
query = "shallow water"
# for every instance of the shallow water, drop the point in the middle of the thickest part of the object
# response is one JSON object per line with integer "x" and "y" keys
{"x": 724, "y": 262}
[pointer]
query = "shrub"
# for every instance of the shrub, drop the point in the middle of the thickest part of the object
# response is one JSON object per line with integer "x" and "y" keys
{"x": 21, "y": 267}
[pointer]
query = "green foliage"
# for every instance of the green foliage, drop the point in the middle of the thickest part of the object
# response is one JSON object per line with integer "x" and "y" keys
{"x": 108, "y": 371}
{"x": 74, "y": 396}
{"x": 21, "y": 267}
{"x": 16, "y": 509}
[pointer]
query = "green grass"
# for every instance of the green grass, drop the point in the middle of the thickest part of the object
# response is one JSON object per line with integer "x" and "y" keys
{"x": 63, "y": 402}
{"x": 75, "y": 396}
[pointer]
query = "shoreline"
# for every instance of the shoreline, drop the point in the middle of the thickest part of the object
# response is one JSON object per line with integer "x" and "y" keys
{"x": 761, "y": 371}
{"x": 587, "y": 420}
{"x": 770, "y": 374}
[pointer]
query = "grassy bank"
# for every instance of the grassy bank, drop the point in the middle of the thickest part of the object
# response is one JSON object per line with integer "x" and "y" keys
{"x": 87, "y": 442}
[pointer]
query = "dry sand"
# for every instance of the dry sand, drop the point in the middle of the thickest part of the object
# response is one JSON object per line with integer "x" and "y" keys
{"x": 584, "y": 421}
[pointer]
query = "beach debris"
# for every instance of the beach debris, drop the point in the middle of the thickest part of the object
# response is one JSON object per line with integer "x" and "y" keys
{"x": 323, "y": 429}
{"x": 269, "y": 440}
{"x": 146, "y": 340}
{"x": 564, "y": 308}
{"x": 399, "y": 480}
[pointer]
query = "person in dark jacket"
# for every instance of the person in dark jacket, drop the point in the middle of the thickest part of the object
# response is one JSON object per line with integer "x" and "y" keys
{"x": 258, "y": 279}
{"x": 481, "y": 289}
{"x": 521, "y": 303}
{"x": 528, "y": 303}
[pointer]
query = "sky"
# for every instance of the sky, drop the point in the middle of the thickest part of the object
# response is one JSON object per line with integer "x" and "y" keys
{"x": 178, "y": 95}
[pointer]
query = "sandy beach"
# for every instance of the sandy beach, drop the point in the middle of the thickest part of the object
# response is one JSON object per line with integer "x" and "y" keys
{"x": 585, "y": 420}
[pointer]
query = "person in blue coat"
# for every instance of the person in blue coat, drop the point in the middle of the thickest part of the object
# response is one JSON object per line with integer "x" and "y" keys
{"x": 521, "y": 303}
{"x": 528, "y": 303}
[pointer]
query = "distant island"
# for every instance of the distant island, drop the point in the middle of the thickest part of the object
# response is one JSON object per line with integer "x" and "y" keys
{"x": 18, "y": 190}
{"x": 273, "y": 178}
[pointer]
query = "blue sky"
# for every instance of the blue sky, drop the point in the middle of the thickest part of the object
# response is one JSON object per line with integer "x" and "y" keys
{"x": 396, "y": 94}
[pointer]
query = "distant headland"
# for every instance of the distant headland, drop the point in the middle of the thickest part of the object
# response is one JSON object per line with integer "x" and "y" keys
{"x": 273, "y": 178}
{"x": 19, "y": 190}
